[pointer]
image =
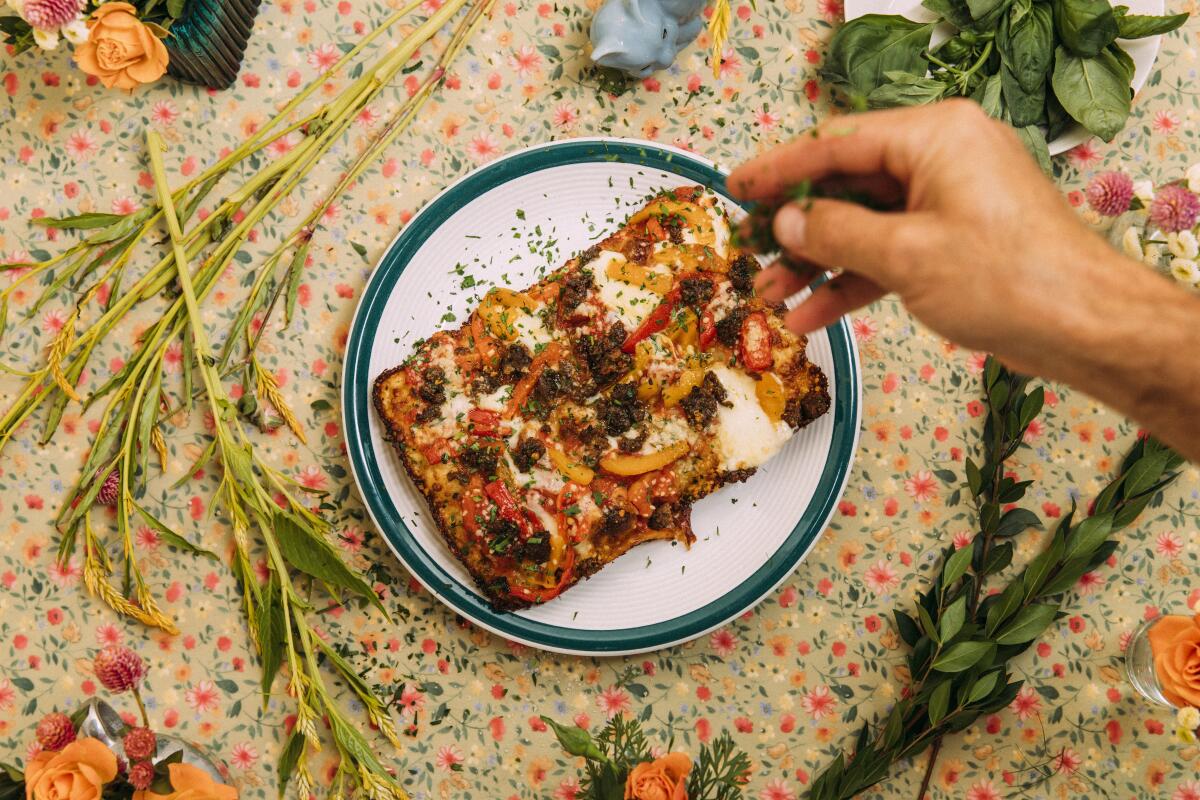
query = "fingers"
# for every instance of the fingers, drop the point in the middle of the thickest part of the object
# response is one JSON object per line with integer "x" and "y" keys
{"x": 832, "y": 300}
{"x": 860, "y": 144}
{"x": 832, "y": 233}
{"x": 780, "y": 281}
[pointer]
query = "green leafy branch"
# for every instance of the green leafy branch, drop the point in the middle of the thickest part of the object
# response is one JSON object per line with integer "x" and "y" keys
{"x": 961, "y": 647}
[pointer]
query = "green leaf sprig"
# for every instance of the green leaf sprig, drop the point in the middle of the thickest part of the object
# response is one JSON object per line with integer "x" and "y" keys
{"x": 1035, "y": 64}
{"x": 719, "y": 771}
{"x": 267, "y": 510}
{"x": 962, "y": 647}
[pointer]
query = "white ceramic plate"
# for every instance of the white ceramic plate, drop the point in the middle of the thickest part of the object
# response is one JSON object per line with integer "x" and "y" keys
{"x": 1142, "y": 51}
{"x": 750, "y": 536}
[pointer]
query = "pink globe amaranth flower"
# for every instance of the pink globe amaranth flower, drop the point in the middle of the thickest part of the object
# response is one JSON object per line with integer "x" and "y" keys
{"x": 111, "y": 488}
{"x": 1174, "y": 209}
{"x": 141, "y": 775}
{"x": 55, "y": 731}
{"x": 119, "y": 668}
{"x": 50, "y": 15}
{"x": 1110, "y": 193}
{"x": 140, "y": 744}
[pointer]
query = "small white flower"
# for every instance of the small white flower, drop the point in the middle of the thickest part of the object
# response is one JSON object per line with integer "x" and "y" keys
{"x": 1152, "y": 255}
{"x": 1144, "y": 190}
{"x": 1185, "y": 270}
{"x": 1184, "y": 244}
{"x": 47, "y": 40}
{"x": 1131, "y": 243}
{"x": 75, "y": 31}
{"x": 1193, "y": 173}
{"x": 17, "y": 6}
{"x": 1188, "y": 717}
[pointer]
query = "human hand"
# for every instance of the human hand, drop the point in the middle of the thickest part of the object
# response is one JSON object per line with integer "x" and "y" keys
{"x": 982, "y": 247}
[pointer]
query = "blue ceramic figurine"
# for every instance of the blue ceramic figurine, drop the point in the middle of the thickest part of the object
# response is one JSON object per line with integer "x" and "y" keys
{"x": 642, "y": 36}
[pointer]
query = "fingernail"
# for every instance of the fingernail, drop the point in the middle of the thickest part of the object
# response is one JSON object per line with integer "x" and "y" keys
{"x": 789, "y": 227}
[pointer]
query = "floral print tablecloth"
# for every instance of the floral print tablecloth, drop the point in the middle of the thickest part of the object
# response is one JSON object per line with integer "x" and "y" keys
{"x": 792, "y": 679}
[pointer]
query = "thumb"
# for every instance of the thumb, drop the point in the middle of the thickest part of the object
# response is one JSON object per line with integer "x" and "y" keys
{"x": 838, "y": 234}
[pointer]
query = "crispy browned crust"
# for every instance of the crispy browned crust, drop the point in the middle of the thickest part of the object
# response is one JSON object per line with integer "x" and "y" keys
{"x": 441, "y": 483}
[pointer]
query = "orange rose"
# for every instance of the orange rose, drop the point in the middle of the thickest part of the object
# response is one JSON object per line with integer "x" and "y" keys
{"x": 660, "y": 779}
{"x": 190, "y": 783}
{"x": 1175, "y": 643}
{"x": 77, "y": 772}
{"x": 120, "y": 50}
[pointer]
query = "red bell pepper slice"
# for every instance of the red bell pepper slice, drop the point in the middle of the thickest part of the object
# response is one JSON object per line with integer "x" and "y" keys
{"x": 708, "y": 329}
{"x": 507, "y": 506}
{"x": 483, "y": 422}
{"x": 543, "y": 595}
{"x": 472, "y": 507}
{"x": 550, "y": 355}
{"x": 755, "y": 347}
{"x": 658, "y": 320}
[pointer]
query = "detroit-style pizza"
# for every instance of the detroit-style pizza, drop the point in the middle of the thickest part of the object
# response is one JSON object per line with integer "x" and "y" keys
{"x": 564, "y": 424}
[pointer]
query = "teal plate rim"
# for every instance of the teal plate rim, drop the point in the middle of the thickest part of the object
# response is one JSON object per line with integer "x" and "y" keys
{"x": 356, "y": 408}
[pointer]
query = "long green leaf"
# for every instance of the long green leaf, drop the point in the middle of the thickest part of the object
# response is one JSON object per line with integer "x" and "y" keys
{"x": 171, "y": 537}
{"x": 963, "y": 656}
{"x": 1028, "y": 624}
{"x": 311, "y": 553}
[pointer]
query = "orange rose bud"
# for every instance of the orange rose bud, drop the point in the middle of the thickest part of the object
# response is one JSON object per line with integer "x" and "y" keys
{"x": 121, "y": 51}
{"x": 661, "y": 779}
{"x": 190, "y": 783}
{"x": 1175, "y": 643}
{"x": 77, "y": 772}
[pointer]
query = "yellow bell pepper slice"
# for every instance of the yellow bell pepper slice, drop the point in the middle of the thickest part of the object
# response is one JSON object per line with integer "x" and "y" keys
{"x": 626, "y": 464}
{"x": 657, "y": 282}
{"x": 771, "y": 397}
{"x": 573, "y": 470}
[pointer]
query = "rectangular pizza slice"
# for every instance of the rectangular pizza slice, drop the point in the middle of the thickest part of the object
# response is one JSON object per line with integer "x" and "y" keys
{"x": 565, "y": 424}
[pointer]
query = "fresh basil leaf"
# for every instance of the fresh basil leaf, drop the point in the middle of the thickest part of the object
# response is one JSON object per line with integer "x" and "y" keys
{"x": 1094, "y": 91}
{"x": 953, "y": 11}
{"x": 1124, "y": 59}
{"x": 865, "y": 49}
{"x": 990, "y": 96}
{"x": 1024, "y": 107}
{"x": 1139, "y": 26}
{"x": 1057, "y": 118}
{"x": 1085, "y": 27}
{"x": 1035, "y": 142}
{"x": 988, "y": 13}
{"x": 1027, "y": 47}
{"x": 906, "y": 89}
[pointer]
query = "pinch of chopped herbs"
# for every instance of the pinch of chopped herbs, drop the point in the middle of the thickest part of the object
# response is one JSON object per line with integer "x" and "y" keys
{"x": 572, "y": 510}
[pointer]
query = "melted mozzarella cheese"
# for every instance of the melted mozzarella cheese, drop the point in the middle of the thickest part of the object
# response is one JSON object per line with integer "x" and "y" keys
{"x": 455, "y": 408}
{"x": 666, "y": 432}
{"x": 531, "y": 331}
{"x": 746, "y": 437}
{"x": 721, "y": 233}
{"x": 631, "y": 304}
{"x": 497, "y": 400}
